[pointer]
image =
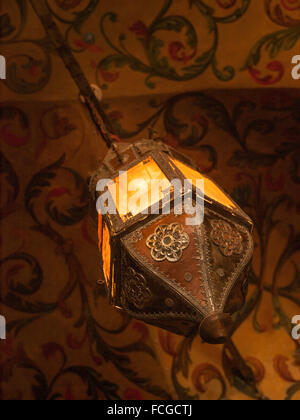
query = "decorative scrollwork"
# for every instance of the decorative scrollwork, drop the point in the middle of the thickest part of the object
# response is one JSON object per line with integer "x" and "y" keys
{"x": 136, "y": 290}
{"x": 168, "y": 243}
{"x": 227, "y": 238}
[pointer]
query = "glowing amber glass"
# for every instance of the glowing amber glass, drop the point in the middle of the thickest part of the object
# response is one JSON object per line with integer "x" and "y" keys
{"x": 100, "y": 229}
{"x": 106, "y": 254}
{"x": 137, "y": 182}
{"x": 210, "y": 188}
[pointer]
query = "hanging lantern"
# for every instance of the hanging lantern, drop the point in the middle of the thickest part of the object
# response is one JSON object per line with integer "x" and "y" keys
{"x": 158, "y": 266}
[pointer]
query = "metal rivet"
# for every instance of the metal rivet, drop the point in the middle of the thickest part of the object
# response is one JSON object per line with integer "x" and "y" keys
{"x": 169, "y": 302}
{"x": 188, "y": 277}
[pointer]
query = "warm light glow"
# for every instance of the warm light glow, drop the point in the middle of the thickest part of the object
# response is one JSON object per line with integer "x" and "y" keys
{"x": 106, "y": 255}
{"x": 100, "y": 229}
{"x": 210, "y": 188}
{"x": 134, "y": 192}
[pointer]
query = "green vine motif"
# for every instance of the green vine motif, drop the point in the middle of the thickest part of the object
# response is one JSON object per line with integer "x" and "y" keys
{"x": 7, "y": 29}
{"x": 44, "y": 389}
{"x": 22, "y": 63}
{"x": 273, "y": 44}
{"x": 189, "y": 135}
{"x": 263, "y": 214}
{"x": 21, "y": 67}
{"x": 158, "y": 65}
{"x": 76, "y": 22}
{"x": 8, "y": 175}
{"x": 276, "y": 42}
{"x": 15, "y": 298}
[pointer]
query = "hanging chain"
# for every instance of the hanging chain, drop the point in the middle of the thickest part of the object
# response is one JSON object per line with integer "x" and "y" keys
{"x": 95, "y": 109}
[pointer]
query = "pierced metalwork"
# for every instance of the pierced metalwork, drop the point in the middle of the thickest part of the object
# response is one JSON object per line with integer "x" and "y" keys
{"x": 168, "y": 243}
{"x": 227, "y": 238}
{"x": 221, "y": 272}
{"x": 137, "y": 236}
{"x": 169, "y": 302}
{"x": 170, "y": 274}
{"x": 136, "y": 290}
{"x": 188, "y": 277}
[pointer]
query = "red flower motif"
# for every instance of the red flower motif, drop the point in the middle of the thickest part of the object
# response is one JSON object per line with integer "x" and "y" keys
{"x": 50, "y": 349}
{"x": 75, "y": 343}
{"x": 203, "y": 375}
{"x": 67, "y": 4}
{"x": 274, "y": 66}
{"x": 131, "y": 394}
{"x": 291, "y": 4}
{"x": 109, "y": 76}
{"x": 201, "y": 120}
{"x": 140, "y": 29}
{"x": 57, "y": 193}
{"x": 12, "y": 273}
{"x": 168, "y": 342}
{"x": 273, "y": 184}
{"x": 65, "y": 311}
{"x": 282, "y": 368}
{"x": 226, "y": 4}
{"x": 13, "y": 139}
{"x": 178, "y": 53}
{"x": 97, "y": 360}
{"x": 62, "y": 127}
{"x": 69, "y": 396}
{"x": 34, "y": 70}
{"x": 115, "y": 115}
{"x": 142, "y": 329}
{"x": 283, "y": 12}
{"x": 80, "y": 43}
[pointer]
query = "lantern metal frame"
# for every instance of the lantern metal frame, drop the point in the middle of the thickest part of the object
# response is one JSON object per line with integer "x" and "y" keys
{"x": 124, "y": 157}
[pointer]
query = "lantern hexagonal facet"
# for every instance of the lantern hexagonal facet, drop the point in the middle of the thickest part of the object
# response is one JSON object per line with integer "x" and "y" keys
{"x": 183, "y": 277}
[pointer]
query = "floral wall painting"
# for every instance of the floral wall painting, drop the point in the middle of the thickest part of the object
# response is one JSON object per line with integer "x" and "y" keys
{"x": 163, "y": 46}
{"x": 213, "y": 77}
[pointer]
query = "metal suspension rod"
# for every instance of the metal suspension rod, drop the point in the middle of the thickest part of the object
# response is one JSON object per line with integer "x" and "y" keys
{"x": 96, "y": 111}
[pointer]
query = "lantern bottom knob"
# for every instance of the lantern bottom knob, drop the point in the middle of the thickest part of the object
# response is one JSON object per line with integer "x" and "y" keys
{"x": 216, "y": 328}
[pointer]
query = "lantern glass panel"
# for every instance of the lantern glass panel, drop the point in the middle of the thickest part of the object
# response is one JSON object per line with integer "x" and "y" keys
{"x": 133, "y": 193}
{"x": 106, "y": 255}
{"x": 210, "y": 188}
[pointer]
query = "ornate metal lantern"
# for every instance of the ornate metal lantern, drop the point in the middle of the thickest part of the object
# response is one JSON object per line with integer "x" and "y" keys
{"x": 181, "y": 277}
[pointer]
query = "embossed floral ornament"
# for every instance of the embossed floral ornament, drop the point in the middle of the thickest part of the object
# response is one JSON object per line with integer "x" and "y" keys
{"x": 136, "y": 290}
{"x": 168, "y": 243}
{"x": 228, "y": 239}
